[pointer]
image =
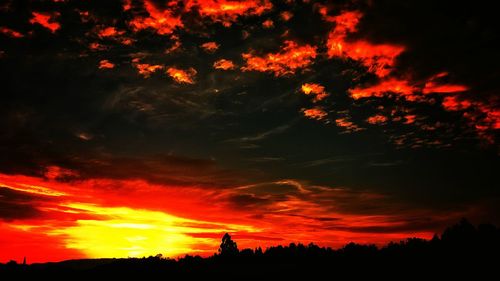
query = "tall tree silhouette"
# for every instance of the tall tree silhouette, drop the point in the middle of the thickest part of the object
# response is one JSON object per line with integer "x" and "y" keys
{"x": 228, "y": 247}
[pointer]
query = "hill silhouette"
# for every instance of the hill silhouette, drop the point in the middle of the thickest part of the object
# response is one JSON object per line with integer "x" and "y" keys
{"x": 461, "y": 251}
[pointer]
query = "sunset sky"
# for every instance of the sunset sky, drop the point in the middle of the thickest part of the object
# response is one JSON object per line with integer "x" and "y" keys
{"x": 136, "y": 127}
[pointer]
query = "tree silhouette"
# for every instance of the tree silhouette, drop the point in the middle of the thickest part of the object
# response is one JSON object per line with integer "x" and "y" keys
{"x": 228, "y": 247}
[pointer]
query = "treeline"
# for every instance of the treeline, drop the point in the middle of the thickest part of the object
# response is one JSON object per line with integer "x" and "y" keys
{"x": 462, "y": 250}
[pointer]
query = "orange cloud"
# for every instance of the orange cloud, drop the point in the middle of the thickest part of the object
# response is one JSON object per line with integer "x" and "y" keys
{"x": 127, "y": 41}
{"x": 162, "y": 21}
{"x": 348, "y": 125}
{"x": 291, "y": 58}
{"x": 147, "y": 69}
{"x": 378, "y": 58}
{"x": 316, "y": 90}
{"x": 227, "y": 11}
{"x": 182, "y": 76}
{"x": 376, "y": 119}
{"x": 94, "y": 46}
{"x": 175, "y": 46}
{"x": 224, "y": 64}
{"x": 323, "y": 10}
{"x": 45, "y": 20}
{"x": 286, "y": 15}
{"x": 410, "y": 118}
{"x": 315, "y": 113}
{"x": 343, "y": 122}
{"x": 268, "y": 24}
{"x": 10, "y": 32}
{"x": 453, "y": 103}
{"x": 210, "y": 47}
{"x": 384, "y": 87}
{"x": 109, "y": 32}
{"x": 106, "y": 64}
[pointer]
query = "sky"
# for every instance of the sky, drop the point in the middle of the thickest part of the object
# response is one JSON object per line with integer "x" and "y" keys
{"x": 137, "y": 127}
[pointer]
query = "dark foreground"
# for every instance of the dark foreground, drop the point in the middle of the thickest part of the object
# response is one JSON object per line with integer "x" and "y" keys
{"x": 461, "y": 251}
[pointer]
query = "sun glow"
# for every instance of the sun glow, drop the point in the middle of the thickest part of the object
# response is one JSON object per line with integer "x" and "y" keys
{"x": 127, "y": 232}
{"x": 96, "y": 218}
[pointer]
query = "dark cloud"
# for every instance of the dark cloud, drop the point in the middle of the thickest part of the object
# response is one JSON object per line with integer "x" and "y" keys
{"x": 17, "y": 205}
{"x": 248, "y": 201}
{"x": 163, "y": 169}
{"x": 321, "y": 219}
{"x": 404, "y": 225}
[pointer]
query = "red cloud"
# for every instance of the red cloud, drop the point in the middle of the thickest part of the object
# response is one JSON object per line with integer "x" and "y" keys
{"x": 109, "y": 32}
{"x": 210, "y": 47}
{"x": 378, "y": 58}
{"x": 268, "y": 24}
{"x": 127, "y": 41}
{"x": 453, "y": 103}
{"x": 315, "y": 113}
{"x": 376, "y": 119}
{"x": 127, "y": 5}
{"x": 492, "y": 117}
{"x": 106, "y": 64}
{"x": 410, "y": 118}
{"x": 147, "y": 69}
{"x": 347, "y": 124}
{"x": 227, "y": 12}
{"x": 162, "y": 21}
{"x": 224, "y": 64}
{"x": 182, "y": 76}
{"x": 345, "y": 22}
{"x": 391, "y": 85}
{"x": 316, "y": 90}
{"x": 94, "y": 46}
{"x": 45, "y": 20}
{"x": 483, "y": 117}
{"x": 479, "y": 115}
{"x": 11, "y": 33}
{"x": 59, "y": 173}
{"x": 291, "y": 58}
{"x": 286, "y": 15}
{"x": 433, "y": 87}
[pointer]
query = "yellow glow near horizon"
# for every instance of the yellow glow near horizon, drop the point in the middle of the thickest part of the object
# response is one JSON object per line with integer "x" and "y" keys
{"x": 126, "y": 232}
